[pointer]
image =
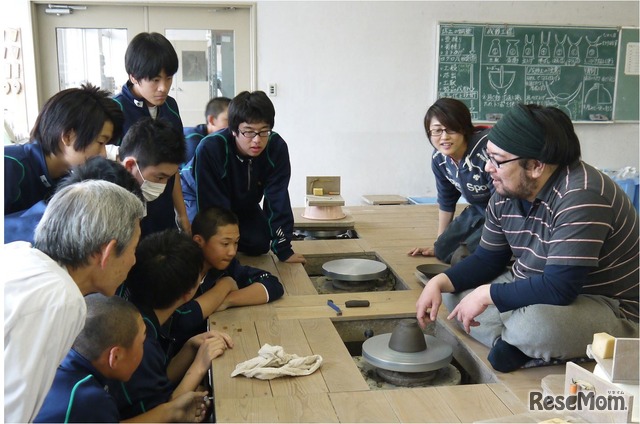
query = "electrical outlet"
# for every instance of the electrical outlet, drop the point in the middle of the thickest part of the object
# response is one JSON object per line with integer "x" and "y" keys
{"x": 273, "y": 90}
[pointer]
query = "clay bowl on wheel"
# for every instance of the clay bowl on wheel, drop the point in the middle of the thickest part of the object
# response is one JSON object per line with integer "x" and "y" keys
{"x": 431, "y": 270}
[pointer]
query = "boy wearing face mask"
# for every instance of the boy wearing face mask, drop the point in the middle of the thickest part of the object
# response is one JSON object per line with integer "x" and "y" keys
{"x": 152, "y": 151}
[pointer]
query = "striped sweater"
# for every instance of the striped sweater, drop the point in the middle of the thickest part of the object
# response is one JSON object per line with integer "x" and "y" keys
{"x": 580, "y": 218}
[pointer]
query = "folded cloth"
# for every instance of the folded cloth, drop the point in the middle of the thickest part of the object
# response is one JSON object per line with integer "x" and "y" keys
{"x": 273, "y": 362}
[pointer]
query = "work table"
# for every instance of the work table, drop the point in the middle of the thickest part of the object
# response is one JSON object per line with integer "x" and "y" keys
{"x": 302, "y": 323}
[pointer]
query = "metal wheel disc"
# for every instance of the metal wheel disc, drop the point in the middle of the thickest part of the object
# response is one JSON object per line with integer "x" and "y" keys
{"x": 376, "y": 351}
{"x": 353, "y": 269}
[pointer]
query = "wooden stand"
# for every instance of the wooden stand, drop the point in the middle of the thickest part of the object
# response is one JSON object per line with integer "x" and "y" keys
{"x": 623, "y": 367}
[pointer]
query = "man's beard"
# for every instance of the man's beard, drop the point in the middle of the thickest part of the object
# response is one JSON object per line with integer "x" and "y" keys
{"x": 523, "y": 190}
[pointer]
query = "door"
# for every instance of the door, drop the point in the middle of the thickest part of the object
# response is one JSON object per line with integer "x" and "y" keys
{"x": 213, "y": 46}
{"x": 87, "y": 43}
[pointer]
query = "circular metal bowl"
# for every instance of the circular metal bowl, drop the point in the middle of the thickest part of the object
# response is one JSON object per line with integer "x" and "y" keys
{"x": 431, "y": 270}
{"x": 354, "y": 269}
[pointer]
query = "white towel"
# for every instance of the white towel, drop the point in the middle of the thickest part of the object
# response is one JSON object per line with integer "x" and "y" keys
{"x": 272, "y": 362}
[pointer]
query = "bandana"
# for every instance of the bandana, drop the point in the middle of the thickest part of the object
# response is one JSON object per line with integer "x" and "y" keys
{"x": 518, "y": 133}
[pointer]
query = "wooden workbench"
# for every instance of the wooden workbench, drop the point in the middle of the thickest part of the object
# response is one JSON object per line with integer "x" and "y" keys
{"x": 302, "y": 323}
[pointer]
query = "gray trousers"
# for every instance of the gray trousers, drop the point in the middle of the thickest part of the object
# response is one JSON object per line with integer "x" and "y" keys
{"x": 549, "y": 331}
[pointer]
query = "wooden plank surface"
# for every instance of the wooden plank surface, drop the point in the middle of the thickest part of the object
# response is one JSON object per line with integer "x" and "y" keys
{"x": 382, "y": 305}
{"x": 338, "y": 369}
{"x": 289, "y": 335}
{"x": 473, "y": 402}
{"x": 282, "y": 409}
{"x": 363, "y": 407}
{"x": 421, "y": 405}
{"x": 246, "y": 346}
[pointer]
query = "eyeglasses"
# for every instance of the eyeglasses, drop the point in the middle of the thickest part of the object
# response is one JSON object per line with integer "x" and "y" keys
{"x": 494, "y": 162}
{"x": 438, "y": 132}
{"x": 252, "y": 134}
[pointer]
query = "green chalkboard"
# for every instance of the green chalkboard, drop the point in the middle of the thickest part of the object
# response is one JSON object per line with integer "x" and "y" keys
{"x": 493, "y": 67}
{"x": 628, "y": 82}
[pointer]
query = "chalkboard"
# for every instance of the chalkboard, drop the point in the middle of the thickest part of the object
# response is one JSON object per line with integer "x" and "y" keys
{"x": 628, "y": 82}
{"x": 492, "y": 67}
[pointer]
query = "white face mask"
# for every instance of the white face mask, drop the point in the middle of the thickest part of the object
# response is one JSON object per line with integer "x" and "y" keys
{"x": 150, "y": 190}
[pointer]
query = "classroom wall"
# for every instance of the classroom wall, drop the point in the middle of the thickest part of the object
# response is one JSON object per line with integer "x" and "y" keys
{"x": 355, "y": 79}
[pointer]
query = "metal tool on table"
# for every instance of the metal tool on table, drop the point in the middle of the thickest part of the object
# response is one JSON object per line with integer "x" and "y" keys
{"x": 334, "y": 307}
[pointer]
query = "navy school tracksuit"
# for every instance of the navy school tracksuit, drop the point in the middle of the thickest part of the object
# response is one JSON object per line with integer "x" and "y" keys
{"x": 79, "y": 394}
{"x": 134, "y": 108}
{"x": 26, "y": 177}
{"x": 188, "y": 319}
{"x": 149, "y": 385}
{"x": 218, "y": 175}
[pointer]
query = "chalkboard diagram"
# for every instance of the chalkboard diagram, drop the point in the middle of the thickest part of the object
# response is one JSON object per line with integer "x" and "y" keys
{"x": 544, "y": 51}
{"x": 527, "y": 51}
{"x": 558, "y": 52}
{"x": 563, "y": 100}
{"x": 491, "y": 68}
{"x": 574, "y": 50}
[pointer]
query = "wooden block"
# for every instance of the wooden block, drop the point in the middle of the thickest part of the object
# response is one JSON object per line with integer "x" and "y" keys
{"x": 623, "y": 366}
{"x": 320, "y": 200}
{"x": 385, "y": 199}
{"x": 602, "y": 391}
{"x": 330, "y": 185}
{"x": 625, "y": 361}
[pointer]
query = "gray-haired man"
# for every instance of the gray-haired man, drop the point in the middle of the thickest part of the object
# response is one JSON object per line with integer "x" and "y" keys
{"x": 85, "y": 243}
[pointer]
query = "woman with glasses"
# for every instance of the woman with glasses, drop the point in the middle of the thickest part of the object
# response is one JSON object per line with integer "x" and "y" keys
{"x": 236, "y": 168}
{"x": 458, "y": 165}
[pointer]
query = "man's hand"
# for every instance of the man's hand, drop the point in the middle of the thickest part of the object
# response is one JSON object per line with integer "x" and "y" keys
{"x": 431, "y": 298}
{"x": 471, "y": 306}
{"x": 422, "y": 251}
{"x": 296, "y": 258}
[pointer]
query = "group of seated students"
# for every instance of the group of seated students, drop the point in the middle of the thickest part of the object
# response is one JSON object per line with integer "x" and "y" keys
{"x": 185, "y": 267}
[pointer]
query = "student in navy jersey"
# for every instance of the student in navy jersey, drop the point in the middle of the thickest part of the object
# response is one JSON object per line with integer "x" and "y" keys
{"x": 458, "y": 166}
{"x": 73, "y": 125}
{"x": 21, "y": 225}
{"x": 109, "y": 347}
{"x": 246, "y": 168}
{"x": 216, "y": 115}
{"x": 151, "y": 62}
{"x": 152, "y": 151}
{"x": 574, "y": 235}
{"x": 226, "y": 283}
{"x": 164, "y": 277}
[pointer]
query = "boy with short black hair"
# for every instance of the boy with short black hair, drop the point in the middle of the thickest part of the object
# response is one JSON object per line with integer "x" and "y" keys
{"x": 73, "y": 125}
{"x": 151, "y": 61}
{"x": 226, "y": 282}
{"x": 109, "y": 347}
{"x": 241, "y": 168}
{"x": 152, "y": 151}
{"x": 164, "y": 277}
{"x": 216, "y": 115}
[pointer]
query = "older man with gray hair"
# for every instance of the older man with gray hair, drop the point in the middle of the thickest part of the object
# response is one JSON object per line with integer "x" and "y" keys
{"x": 85, "y": 243}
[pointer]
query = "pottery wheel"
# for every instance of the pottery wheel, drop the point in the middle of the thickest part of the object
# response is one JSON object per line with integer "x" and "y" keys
{"x": 376, "y": 351}
{"x": 354, "y": 269}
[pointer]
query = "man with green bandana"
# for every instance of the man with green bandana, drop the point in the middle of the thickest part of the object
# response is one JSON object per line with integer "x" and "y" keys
{"x": 574, "y": 234}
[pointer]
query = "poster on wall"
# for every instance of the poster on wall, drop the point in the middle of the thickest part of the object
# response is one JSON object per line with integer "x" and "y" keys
{"x": 194, "y": 66}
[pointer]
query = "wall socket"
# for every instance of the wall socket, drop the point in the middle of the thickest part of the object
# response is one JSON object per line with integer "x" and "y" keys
{"x": 273, "y": 90}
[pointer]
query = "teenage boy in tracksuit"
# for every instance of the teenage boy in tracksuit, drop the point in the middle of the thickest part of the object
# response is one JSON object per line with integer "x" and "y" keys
{"x": 239, "y": 166}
